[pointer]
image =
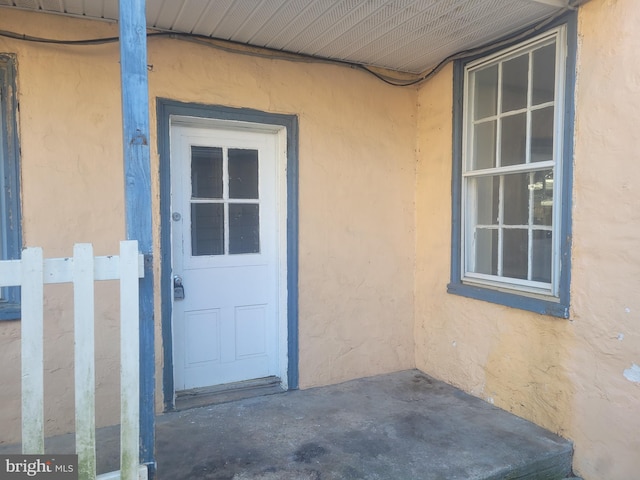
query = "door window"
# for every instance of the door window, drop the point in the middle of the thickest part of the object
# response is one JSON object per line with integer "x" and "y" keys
{"x": 225, "y": 203}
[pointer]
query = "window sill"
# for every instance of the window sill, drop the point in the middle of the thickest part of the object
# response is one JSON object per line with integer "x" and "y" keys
{"x": 522, "y": 302}
{"x": 10, "y": 311}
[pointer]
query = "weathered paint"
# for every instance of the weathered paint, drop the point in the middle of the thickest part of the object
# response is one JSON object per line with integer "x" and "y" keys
{"x": 84, "y": 359}
{"x": 129, "y": 361}
{"x": 32, "y": 366}
{"x": 31, "y": 273}
{"x": 632, "y": 374}
{"x": 138, "y": 216}
{"x": 565, "y": 375}
{"x": 357, "y": 164}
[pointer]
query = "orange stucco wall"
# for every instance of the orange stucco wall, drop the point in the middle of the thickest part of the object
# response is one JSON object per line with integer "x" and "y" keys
{"x": 375, "y": 226}
{"x": 574, "y": 377}
{"x": 356, "y": 154}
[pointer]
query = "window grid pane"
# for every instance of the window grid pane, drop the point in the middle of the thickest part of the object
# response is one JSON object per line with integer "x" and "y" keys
{"x": 243, "y": 173}
{"x": 520, "y": 246}
{"x": 225, "y": 204}
{"x": 206, "y": 172}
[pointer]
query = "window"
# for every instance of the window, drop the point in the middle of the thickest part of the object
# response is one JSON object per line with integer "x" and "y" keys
{"x": 225, "y": 206}
{"x": 512, "y": 174}
{"x": 10, "y": 235}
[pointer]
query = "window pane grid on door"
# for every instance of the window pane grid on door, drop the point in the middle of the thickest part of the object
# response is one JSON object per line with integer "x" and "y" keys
{"x": 207, "y": 229}
{"x": 243, "y": 173}
{"x": 206, "y": 172}
{"x": 225, "y": 204}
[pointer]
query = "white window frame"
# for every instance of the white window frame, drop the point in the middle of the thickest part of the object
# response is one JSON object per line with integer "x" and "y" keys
{"x": 546, "y": 291}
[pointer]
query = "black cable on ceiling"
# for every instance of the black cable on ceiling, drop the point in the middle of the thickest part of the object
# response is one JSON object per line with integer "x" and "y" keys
{"x": 297, "y": 57}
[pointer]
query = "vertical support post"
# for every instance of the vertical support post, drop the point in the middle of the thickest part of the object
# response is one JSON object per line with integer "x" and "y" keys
{"x": 84, "y": 361}
{"x": 137, "y": 171}
{"x": 32, "y": 351}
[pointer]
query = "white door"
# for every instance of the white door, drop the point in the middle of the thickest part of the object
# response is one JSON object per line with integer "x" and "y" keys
{"x": 225, "y": 254}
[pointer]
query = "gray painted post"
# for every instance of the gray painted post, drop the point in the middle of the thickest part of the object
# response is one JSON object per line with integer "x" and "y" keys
{"x": 137, "y": 172}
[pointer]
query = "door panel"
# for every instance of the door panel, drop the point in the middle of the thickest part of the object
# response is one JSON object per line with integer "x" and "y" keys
{"x": 225, "y": 233}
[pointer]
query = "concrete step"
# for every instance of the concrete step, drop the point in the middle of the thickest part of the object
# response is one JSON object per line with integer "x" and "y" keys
{"x": 400, "y": 426}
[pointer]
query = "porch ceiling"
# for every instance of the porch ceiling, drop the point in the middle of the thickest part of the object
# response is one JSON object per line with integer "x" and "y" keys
{"x": 403, "y": 35}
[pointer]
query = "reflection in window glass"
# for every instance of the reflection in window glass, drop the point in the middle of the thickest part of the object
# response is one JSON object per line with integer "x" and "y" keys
{"x": 243, "y": 173}
{"x": 542, "y": 186}
{"x": 484, "y": 145}
{"x": 486, "y": 251}
{"x": 487, "y": 193}
{"x": 207, "y": 229}
{"x": 513, "y": 145}
{"x": 544, "y": 65}
{"x": 486, "y": 92}
{"x": 515, "y": 253}
{"x": 541, "y": 261}
{"x": 244, "y": 228}
{"x": 206, "y": 172}
{"x": 516, "y": 194}
{"x": 515, "y": 77}
{"x": 542, "y": 135}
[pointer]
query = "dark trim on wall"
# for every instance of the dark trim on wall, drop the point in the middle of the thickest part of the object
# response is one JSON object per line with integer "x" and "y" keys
{"x": 12, "y": 216}
{"x": 165, "y": 110}
{"x": 547, "y": 307}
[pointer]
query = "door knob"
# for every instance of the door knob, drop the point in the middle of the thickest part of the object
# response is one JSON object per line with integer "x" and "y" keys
{"x": 178, "y": 288}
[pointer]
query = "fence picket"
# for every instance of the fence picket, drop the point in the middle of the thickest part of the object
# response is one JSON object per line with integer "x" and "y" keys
{"x": 32, "y": 352}
{"x": 31, "y": 273}
{"x": 129, "y": 361}
{"x": 84, "y": 348}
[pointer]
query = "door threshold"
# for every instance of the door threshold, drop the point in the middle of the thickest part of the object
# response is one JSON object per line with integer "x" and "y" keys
{"x": 228, "y": 392}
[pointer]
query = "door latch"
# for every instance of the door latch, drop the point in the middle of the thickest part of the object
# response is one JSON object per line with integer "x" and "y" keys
{"x": 178, "y": 288}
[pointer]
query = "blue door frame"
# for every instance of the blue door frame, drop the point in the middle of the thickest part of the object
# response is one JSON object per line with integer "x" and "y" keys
{"x": 165, "y": 109}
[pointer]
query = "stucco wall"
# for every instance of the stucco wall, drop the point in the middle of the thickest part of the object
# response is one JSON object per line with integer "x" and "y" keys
{"x": 574, "y": 376}
{"x": 72, "y": 191}
{"x": 357, "y": 177}
{"x": 357, "y": 167}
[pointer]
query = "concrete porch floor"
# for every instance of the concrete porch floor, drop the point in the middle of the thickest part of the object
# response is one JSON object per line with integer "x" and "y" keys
{"x": 400, "y": 426}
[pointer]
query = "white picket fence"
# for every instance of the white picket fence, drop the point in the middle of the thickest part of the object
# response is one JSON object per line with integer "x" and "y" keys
{"x": 32, "y": 272}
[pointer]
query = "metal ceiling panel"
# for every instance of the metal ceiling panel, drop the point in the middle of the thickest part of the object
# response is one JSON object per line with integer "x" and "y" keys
{"x": 110, "y": 9}
{"x": 404, "y": 35}
{"x": 191, "y": 12}
{"x": 54, "y": 5}
{"x": 75, "y": 7}
{"x": 28, "y": 4}
{"x": 211, "y": 17}
{"x": 233, "y": 19}
{"x": 464, "y": 34}
{"x": 303, "y": 15}
{"x": 261, "y": 16}
{"x": 165, "y": 13}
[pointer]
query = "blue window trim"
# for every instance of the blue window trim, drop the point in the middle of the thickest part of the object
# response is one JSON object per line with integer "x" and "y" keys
{"x": 12, "y": 221}
{"x": 534, "y": 304}
{"x": 166, "y": 108}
